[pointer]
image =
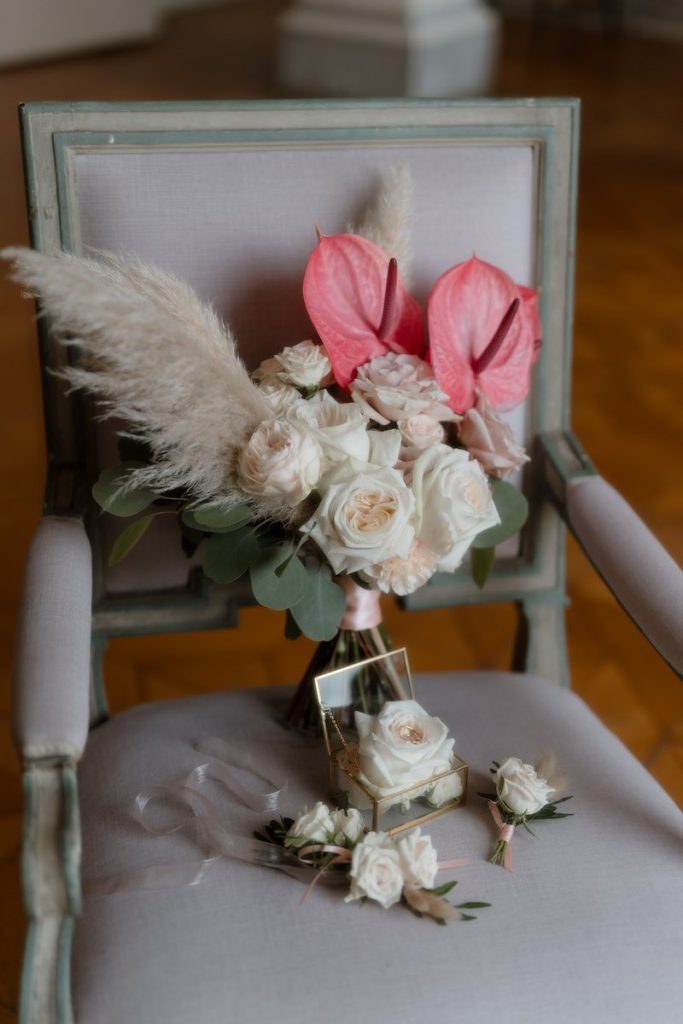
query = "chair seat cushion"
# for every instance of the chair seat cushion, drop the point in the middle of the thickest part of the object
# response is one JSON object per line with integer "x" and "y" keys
{"x": 586, "y": 928}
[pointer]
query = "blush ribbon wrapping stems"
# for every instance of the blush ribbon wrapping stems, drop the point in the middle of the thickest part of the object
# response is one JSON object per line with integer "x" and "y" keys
{"x": 505, "y": 833}
{"x": 363, "y": 610}
{"x": 201, "y": 817}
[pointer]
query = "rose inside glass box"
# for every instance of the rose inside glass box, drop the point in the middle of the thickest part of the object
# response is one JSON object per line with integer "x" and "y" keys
{"x": 398, "y": 765}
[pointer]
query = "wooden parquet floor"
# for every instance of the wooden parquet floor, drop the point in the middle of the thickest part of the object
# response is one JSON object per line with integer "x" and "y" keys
{"x": 627, "y": 379}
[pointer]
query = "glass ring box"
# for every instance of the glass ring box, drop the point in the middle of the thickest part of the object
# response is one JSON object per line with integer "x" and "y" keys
{"x": 391, "y": 760}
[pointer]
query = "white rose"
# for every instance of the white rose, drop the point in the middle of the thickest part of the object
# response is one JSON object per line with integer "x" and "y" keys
{"x": 421, "y": 431}
{"x": 340, "y": 429}
{"x": 453, "y": 503}
{"x": 376, "y": 871}
{"x": 348, "y": 826}
{"x": 363, "y": 520}
{"x": 304, "y": 365}
{"x": 418, "y": 859}
{"x": 280, "y": 458}
{"x": 403, "y": 575}
{"x": 279, "y": 396}
{"x": 316, "y": 825}
{"x": 445, "y": 790}
{"x": 489, "y": 440}
{"x": 397, "y": 386}
{"x": 520, "y": 787}
{"x": 400, "y": 746}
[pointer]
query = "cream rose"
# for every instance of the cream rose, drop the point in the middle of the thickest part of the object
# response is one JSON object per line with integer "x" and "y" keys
{"x": 363, "y": 519}
{"x": 279, "y": 396}
{"x": 520, "y": 787}
{"x": 403, "y": 575}
{"x": 445, "y": 790}
{"x": 400, "y": 746}
{"x": 316, "y": 825}
{"x": 304, "y": 365}
{"x": 340, "y": 429}
{"x": 348, "y": 827}
{"x": 376, "y": 871}
{"x": 281, "y": 459}
{"x": 417, "y": 858}
{"x": 489, "y": 440}
{"x": 453, "y": 503}
{"x": 421, "y": 432}
{"x": 397, "y": 386}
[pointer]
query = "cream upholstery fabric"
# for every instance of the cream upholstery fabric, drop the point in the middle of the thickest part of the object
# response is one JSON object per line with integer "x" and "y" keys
{"x": 643, "y": 576}
{"x": 587, "y": 928}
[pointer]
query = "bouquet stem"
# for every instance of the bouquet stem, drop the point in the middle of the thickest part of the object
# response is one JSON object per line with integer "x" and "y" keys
{"x": 372, "y": 686}
{"x": 349, "y": 646}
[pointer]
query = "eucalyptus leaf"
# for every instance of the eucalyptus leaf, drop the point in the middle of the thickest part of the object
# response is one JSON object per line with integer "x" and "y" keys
{"x": 513, "y": 509}
{"x": 481, "y": 560}
{"x": 278, "y": 578}
{"x": 322, "y": 606}
{"x": 109, "y": 494}
{"x": 443, "y": 890}
{"x": 213, "y": 519}
{"x": 227, "y": 556}
{"x": 128, "y": 538}
{"x": 292, "y": 631}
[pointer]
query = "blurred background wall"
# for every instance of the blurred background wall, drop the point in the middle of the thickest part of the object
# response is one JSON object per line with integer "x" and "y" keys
{"x": 628, "y": 352}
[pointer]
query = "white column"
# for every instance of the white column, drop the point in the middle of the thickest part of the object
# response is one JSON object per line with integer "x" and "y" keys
{"x": 387, "y": 47}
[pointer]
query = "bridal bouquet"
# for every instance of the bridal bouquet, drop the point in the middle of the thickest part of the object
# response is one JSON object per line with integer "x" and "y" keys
{"x": 358, "y": 463}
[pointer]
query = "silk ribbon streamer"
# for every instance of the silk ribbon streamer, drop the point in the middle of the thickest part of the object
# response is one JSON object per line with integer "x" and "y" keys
{"x": 363, "y": 610}
{"x": 505, "y": 833}
{"x": 200, "y": 817}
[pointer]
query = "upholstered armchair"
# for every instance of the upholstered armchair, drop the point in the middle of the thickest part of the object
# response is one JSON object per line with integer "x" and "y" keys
{"x": 588, "y": 926}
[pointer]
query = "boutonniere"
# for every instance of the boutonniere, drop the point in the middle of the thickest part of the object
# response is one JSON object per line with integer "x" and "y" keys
{"x": 523, "y": 793}
{"x": 383, "y": 868}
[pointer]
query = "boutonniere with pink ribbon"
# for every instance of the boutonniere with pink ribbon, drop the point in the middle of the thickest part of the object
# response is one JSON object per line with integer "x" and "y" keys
{"x": 383, "y": 868}
{"x": 523, "y": 793}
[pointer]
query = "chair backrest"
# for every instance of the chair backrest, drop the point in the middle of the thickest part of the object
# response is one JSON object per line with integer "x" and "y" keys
{"x": 227, "y": 196}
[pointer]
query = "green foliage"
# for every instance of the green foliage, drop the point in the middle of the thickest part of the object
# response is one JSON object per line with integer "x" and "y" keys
{"x": 128, "y": 538}
{"x": 513, "y": 509}
{"x": 278, "y": 578}
{"x": 213, "y": 519}
{"x": 482, "y": 560}
{"x": 443, "y": 890}
{"x": 320, "y": 609}
{"x": 227, "y": 556}
{"x": 109, "y": 493}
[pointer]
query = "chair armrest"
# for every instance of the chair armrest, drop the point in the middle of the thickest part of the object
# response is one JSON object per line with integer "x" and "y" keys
{"x": 51, "y": 677}
{"x": 643, "y": 577}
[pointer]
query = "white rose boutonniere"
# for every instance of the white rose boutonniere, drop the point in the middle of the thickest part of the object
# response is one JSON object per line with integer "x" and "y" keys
{"x": 523, "y": 793}
{"x": 323, "y": 843}
{"x": 401, "y": 746}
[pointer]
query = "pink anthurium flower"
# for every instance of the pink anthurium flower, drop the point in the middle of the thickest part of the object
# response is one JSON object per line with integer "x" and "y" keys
{"x": 358, "y": 304}
{"x": 484, "y": 333}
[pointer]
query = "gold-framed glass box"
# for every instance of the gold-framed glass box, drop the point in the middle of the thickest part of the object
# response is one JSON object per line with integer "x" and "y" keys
{"x": 395, "y": 763}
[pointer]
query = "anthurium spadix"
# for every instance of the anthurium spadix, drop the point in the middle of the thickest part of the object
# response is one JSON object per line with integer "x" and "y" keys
{"x": 358, "y": 304}
{"x": 484, "y": 334}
